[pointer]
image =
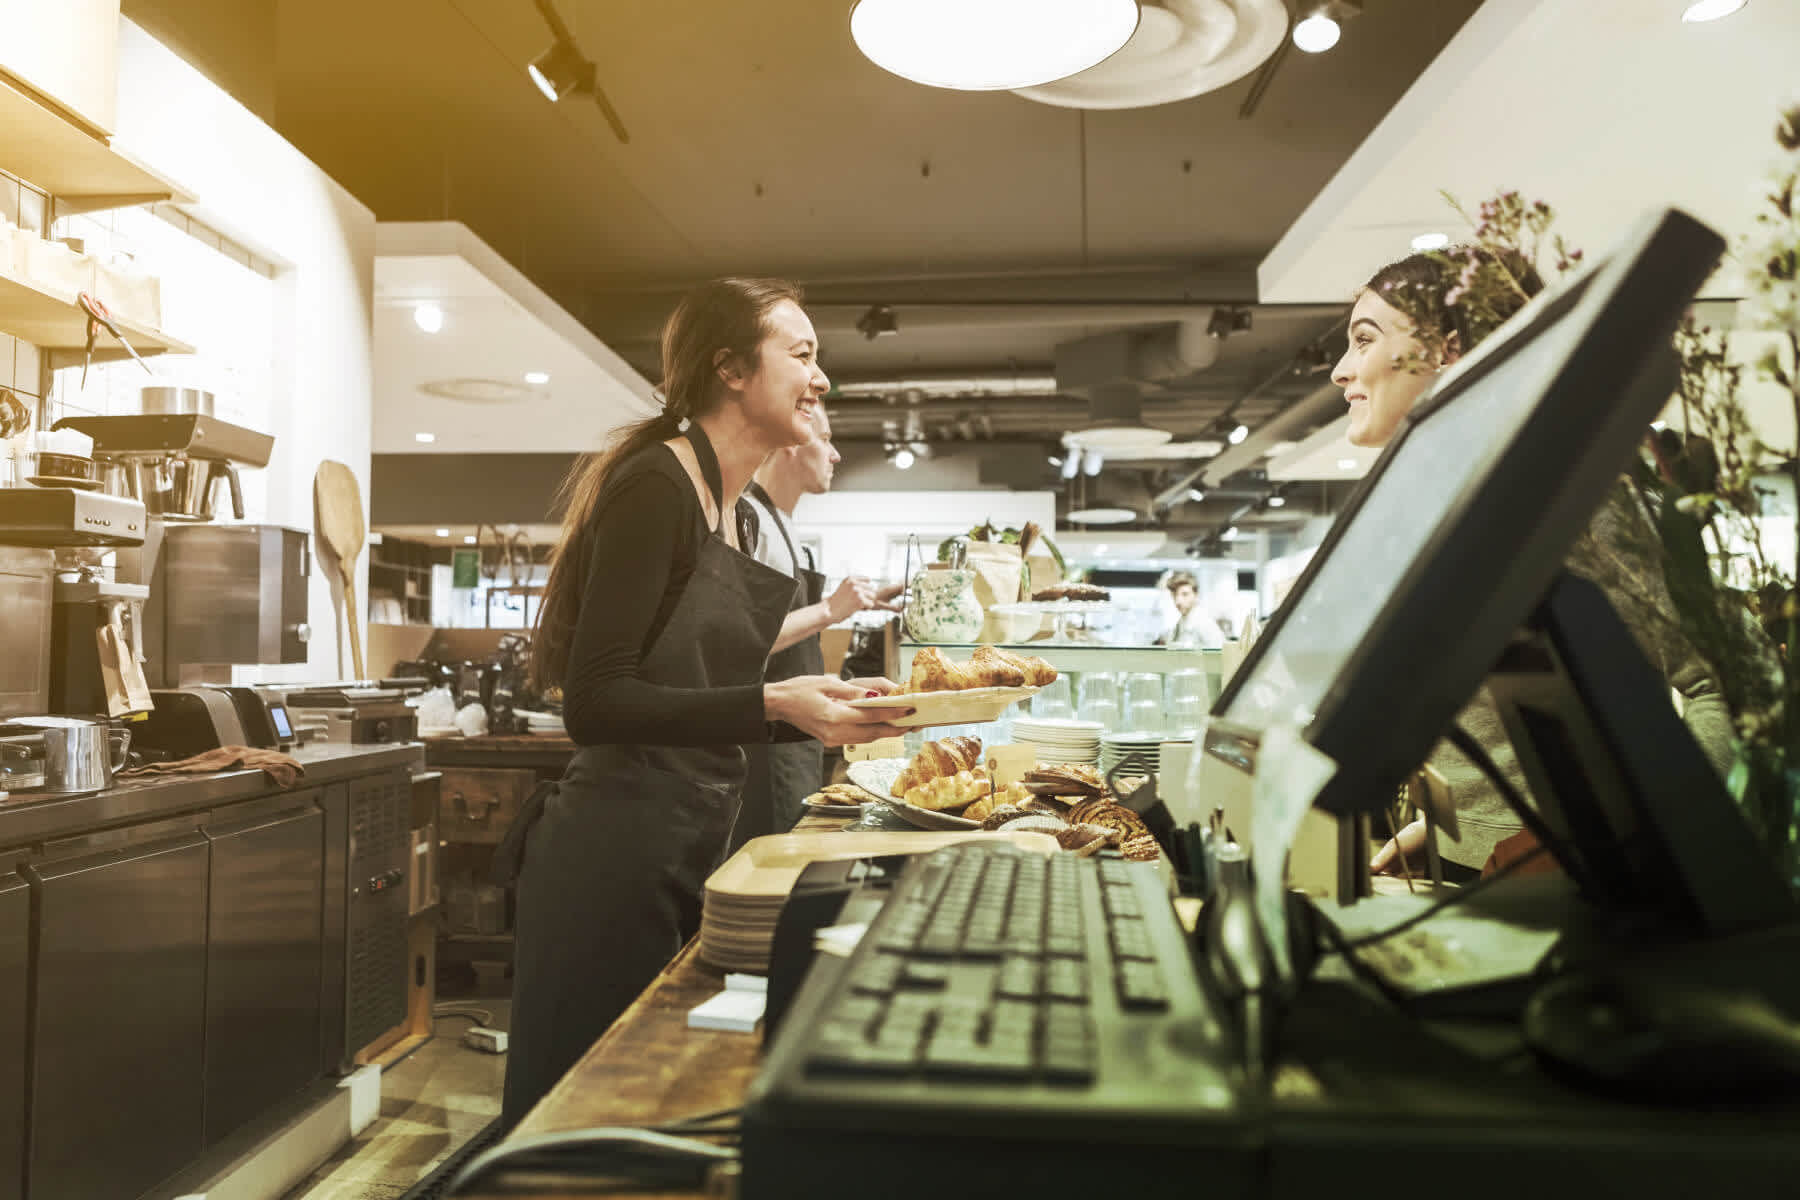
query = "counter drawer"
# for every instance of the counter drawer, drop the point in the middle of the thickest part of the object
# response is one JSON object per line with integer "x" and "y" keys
{"x": 478, "y": 804}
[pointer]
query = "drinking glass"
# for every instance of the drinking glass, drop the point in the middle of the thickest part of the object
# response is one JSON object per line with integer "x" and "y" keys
{"x": 1052, "y": 700}
{"x": 1100, "y": 698}
{"x": 1189, "y": 697}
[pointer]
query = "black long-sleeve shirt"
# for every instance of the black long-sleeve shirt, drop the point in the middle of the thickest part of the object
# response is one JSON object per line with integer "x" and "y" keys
{"x": 642, "y": 543}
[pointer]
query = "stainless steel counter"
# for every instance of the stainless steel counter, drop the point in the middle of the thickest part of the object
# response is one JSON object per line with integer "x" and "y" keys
{"x": 24, "y": 821}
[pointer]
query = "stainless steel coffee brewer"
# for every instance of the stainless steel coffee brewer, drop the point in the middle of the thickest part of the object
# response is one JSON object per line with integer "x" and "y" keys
{"x": 221, "y": 592}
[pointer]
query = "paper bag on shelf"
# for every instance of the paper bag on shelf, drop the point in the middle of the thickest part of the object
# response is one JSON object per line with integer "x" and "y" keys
{"x": 999, "y": 570}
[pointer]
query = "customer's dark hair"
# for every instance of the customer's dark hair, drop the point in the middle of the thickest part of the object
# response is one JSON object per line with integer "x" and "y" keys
{"x": 719, "y": 323}
{"x": 1466, "y": 290}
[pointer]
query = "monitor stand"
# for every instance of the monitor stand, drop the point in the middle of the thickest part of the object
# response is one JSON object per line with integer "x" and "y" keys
{"x": 1635, "y": 813}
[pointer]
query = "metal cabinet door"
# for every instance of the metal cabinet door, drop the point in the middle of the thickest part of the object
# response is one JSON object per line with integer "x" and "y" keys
{"x": 264, "y": 943}
{"x": 118, "y": 1023}
{"x": 15, "y": 982}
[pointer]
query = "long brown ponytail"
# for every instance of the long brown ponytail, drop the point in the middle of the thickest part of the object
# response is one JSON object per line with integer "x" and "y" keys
{"x": 717, "y": 322}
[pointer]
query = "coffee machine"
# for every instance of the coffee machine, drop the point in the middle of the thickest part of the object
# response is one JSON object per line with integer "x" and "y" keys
{"x": 37, "y": 523}
{"x": 220, "y": 593}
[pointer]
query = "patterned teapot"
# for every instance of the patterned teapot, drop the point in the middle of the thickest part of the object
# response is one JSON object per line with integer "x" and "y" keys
{"x": 942, "y": 607}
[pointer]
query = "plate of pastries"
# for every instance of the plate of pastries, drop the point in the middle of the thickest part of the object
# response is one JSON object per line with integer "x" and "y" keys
{"x": 947, "y": 786}
{"x": 941, "y": 691}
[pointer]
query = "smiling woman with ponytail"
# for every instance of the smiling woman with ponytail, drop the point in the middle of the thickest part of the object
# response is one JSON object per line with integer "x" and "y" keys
{"x": 656, "y": 625}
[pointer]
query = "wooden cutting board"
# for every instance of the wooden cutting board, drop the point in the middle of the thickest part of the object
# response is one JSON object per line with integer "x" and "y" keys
{"x": 337, "y": 498}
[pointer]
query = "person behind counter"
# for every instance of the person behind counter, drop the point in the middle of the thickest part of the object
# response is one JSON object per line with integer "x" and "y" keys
{"x": 657, "y": 624}
{"x": 1192, "y": 627}
{"x": 1405, "y": 327}
{"x": 782, "y": 774}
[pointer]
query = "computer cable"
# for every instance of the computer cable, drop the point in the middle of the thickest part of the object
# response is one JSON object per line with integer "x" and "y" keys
{"x": 601, "y": 1159}
{"x": 1471, "y": 749}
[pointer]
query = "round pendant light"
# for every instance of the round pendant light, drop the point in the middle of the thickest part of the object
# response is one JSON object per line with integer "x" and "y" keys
{"x": 990, "y": 45}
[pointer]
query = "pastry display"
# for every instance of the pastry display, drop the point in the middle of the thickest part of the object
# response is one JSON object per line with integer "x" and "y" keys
{"x": 963, "y": 790}
{"x": 1111, "y": 816}
{"x": 1072, "y": 591}
{"x": 837, "y": 795}
{"x": 989, "y": 666}
{"x": 937, "y": 759}
{"x": 1065, "y": 779}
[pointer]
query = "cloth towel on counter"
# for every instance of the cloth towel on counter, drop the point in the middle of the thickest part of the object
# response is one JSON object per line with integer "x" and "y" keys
{"x": 282, "y": 768}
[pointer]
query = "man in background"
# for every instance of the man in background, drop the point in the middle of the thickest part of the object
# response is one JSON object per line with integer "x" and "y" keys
{"x": 784, "y": 773}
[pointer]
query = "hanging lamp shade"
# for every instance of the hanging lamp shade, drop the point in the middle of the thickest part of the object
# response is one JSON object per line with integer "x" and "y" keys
{"x": 990, "y": 45}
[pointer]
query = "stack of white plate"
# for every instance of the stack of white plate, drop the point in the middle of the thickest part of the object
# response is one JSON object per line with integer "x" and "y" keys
{"x": 1147, "y": 746}
{"x": 541, "y": 722}
{"x": 1060, "y": 739}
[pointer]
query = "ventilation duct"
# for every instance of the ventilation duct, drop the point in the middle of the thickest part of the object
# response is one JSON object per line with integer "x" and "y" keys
{"x": 1182, "y": 48}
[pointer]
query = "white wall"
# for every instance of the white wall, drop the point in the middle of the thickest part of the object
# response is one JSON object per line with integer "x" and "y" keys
{"x": 855, "y": 529}
{"x": 254, "y": 186}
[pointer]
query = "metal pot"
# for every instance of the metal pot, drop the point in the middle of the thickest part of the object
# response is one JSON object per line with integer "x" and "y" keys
{"x": 176, "y": 401}
{"x": 47, "y": 464}
{"x": 191, "y": 485}
{"x": 80, "y": 755}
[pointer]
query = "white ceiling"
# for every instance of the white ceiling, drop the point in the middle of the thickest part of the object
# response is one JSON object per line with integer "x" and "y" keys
{"x": 498, "y": 325}
{"x": 1602, "y": 108}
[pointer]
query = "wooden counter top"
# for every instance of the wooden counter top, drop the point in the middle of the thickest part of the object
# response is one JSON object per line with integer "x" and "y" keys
{"x": 511, "y": 743}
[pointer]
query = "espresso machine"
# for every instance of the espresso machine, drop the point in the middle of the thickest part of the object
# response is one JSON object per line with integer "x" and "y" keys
{"x": 220, "y": 592}
{"x": 36, "y": 525}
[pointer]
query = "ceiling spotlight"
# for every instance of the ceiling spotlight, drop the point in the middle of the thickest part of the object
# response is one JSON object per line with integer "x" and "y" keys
{"x": 1071, "y": 464}
{"x": 1710, "y": 10}
{"x": 903, "y": 458}
{"x": 1092, "y": 461}
{"x": 1319, "y": 30}
{"x": 425, "y": 438}
{"x": 561, "y": 70}
{"x": 1196, "y": 495}
{"x": 1226, "y": 320}
{"x": 428, "y": 317}
{"x": 990, "y": 45}
{"x": 537, "y": 377}
{"x": 1431, "y": 241}
{"x": 468, "y": 539}
{"x": 1055, "y": 461}
{"x": 1277, "y": 500}
{"x": 879, "y": 321}
{"x": 1238, "y": 433}
{"x": 1230, "y": 534}
{"x": 443, "y": 533}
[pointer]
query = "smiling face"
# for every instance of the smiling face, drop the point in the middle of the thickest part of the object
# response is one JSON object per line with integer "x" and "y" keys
{"x": 1383, "y": 372}
{"x": 780, "y": 396}
{"x": 816, "y": 460}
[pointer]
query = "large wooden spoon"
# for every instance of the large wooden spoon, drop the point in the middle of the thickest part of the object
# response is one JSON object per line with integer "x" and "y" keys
{"x": 340, "y": 514}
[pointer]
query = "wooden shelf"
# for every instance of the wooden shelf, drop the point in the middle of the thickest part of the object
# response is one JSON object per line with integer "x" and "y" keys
{"x": 51, "y": 150}
{"x": 54, "y": 322}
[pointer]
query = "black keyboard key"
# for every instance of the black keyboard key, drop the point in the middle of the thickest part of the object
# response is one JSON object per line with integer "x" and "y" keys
{"x": 878, "y": 974}
{"x": 1141, "y": 986}
{"x": 927, "y": 974}
{"x": 1129, "y": 940}
{"x": 1066, "y": 979}
{"x": 1019, "y": 977}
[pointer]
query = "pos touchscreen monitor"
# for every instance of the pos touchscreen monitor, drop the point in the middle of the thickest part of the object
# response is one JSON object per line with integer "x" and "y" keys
{"x": 1456, "y": 535}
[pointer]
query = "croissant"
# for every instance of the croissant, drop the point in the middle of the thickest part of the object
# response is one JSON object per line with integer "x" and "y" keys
{"x": 997, "y": 668}
{"x": 1037, "y": 672}
{"x": 950, "y": 791}
{"x": 937, "y": 759}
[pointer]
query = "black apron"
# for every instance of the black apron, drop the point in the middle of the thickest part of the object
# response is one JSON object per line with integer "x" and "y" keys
{"x": 611, "y": 859}
{"x": 783, "y": 774}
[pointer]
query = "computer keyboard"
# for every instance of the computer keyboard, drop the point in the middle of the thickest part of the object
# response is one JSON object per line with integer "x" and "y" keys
{"x": 999, "y": 998}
